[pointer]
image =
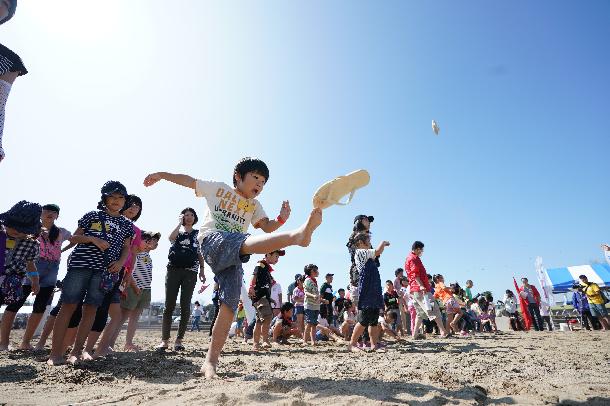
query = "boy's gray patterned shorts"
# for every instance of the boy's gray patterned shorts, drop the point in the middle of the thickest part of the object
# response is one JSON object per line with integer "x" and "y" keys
{"x": 220, "y": 249}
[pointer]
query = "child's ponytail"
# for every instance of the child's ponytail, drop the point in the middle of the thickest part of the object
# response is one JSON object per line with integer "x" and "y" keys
{"x": 53, "y": 233}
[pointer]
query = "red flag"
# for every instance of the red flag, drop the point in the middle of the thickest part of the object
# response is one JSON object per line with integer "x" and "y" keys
{"x": 524, "y": 310}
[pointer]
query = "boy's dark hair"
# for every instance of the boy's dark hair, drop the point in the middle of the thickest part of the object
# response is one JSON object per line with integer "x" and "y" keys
{"x": 581, "y": 277}
{"x": 150, "y": 235}
{"x": 363, "y": 236}
{"x": 197, "y": 303}
{"x": 286, "y": 307}
{"x": 341, "y": 290}
{"x": 469, "y": 281}
{"x": 393, "y": 316}
{"x": 398, "y": 271}
{"x": 389, "y": 282}
{"x": 417, "y": 245}
{"x": 131, "y": 199}
{"x": 347, "y": 304}
{"x": 192, "y": 211}
{"x": 309, "y": 268}
{"x": 302, "y": 278}
{"x": 437, "y": 277}
{"x": 404, "y": 278}
{"x": 575, "y": 286}
{"x": 509, "y": 292}
{"x": 246, "y": 165}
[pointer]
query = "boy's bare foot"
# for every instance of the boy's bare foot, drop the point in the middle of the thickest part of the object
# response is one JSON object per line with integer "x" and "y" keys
{"x": 101, "y": 352}
{"x": 55, "y": 361}
{"x": 131, "y": 347}
{"x": 209, "y": 370}
{"x": 87, "y": 356}
{"x": 39, "y": 347}
{"x": 354, "y": 348}
{"x": 72, "y": 359}
{"x": 266, "y": 344}
{"x": 26, "y": 347}
{"x": 303, "y": 237}
{"x": 256, "y": 347}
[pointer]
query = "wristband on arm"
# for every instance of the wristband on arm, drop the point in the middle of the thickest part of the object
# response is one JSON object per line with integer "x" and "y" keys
{"x": 280, "y": 220}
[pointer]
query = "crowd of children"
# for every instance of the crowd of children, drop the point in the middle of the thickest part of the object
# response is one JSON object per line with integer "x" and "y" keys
{"x": 109, "y": 274}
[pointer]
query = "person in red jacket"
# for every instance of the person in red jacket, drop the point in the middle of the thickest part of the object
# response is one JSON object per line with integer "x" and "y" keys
{"x": 531, "y": 295}
{"x": 421, "y": 290}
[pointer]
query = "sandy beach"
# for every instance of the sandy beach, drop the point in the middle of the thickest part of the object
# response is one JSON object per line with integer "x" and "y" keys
{"x": 532, "y": 368}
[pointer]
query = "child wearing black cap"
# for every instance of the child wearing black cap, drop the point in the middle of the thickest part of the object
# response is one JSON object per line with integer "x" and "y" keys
{"x": 369, "y": 290}
{"x": 103, "y": 239}
{"x": 19, "y": 249}
{"x": 260, "y": 293}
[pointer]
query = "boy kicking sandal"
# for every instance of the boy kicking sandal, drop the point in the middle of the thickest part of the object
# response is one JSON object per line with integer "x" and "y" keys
{"x": 333, "y": 191}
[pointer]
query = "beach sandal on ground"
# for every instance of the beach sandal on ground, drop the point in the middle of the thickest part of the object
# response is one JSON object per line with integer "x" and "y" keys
{"x": 160, "y": 348}
{"x": 333, "y": 191}
{"x": 179, "y": 347}
{"x": 419, "y": 337}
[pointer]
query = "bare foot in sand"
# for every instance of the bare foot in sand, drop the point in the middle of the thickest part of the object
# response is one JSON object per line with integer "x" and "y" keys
{"x": 303, "y": 235}
{"x": 39, "y": 347}
{"x": 102, "y": 352}
{"x": 26, "y": 347}
{"x": 72, "y": 359}
{"x": 87, "y": 356}
{"x": 131, "y": 348}
{"x": 209, "y": 371}
{"x": 53, "y": 362}
{"x": 354, "y": 348}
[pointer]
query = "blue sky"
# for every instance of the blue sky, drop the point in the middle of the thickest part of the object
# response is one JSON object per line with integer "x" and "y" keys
{"x": 318, "y": 90}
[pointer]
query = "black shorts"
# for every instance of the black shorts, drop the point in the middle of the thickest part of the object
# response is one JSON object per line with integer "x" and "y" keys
{"x": 368, "y": 317}
{"x": 40, "y": 301}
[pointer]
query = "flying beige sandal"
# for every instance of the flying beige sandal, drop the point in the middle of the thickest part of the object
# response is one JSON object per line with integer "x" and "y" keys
{"x": 333, "y": 191}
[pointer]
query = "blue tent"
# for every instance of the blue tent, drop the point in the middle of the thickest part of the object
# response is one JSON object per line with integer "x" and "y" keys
{"x": 562, "y": 279}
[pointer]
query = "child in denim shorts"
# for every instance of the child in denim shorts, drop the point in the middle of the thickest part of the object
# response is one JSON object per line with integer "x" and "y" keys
{"x": 103, "y": 239}
{"x": 224, "y": 238}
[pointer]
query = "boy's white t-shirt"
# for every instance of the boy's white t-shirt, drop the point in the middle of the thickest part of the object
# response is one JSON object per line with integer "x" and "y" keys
{"x": 361, "y": 256}
{"x": 226, "y": 210}
{"x": 276, "y": 291}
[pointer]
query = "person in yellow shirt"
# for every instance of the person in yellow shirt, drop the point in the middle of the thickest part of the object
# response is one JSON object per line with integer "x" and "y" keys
{"x": 597, "y": 301}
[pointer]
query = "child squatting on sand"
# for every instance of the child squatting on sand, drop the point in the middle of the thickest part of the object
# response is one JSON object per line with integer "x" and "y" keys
{"x": 224, "y": 238}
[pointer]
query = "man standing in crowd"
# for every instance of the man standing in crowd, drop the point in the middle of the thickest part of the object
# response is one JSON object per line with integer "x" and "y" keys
{"x": 597, "y": 301}
{"x": 422, "y": 290}
{"x": 531, "y": 295}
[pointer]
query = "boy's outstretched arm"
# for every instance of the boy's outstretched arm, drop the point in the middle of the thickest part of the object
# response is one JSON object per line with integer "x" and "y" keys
{"x": 270, "y": 226}
{"x": 182, "y": 180}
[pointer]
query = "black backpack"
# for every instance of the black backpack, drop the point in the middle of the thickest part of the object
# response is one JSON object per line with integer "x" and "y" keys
{"x": 183, "y": 256}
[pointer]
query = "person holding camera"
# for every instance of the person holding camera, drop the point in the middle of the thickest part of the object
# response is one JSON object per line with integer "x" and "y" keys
{"x": 185, "y": 262}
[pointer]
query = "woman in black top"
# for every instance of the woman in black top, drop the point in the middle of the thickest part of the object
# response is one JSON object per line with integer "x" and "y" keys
{"x": 11, "y": 66}
{"x": 185, "y": 261}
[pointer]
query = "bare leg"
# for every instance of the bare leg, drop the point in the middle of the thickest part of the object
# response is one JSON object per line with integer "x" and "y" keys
{"x": 5, "y": 329}
{"x": 91, "y": 340}
{"x": 358, "y": 330}
{"x": 84, "y": 328}
{"x": 416, "y": 326}
{"x": 103, "y": 347}
{"x": 264, "y": 244}
{"x": 59, "y": 331}
{"x": 219, "y": 337}
{"x": 31, "y": 327}
{"x": 134, "y": 316}
{"x": 5, "y": 88}
{"x": 69, "y": 339}
{"x": 301, "y": 323}
{"x": 46, "y": 331}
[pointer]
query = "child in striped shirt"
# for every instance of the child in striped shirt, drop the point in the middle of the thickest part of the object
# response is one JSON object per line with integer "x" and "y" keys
{"x": 138, "y": 297}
